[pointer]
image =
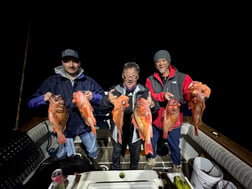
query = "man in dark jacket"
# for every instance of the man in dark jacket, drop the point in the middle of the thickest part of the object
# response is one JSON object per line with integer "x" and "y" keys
{"x": 70, "y": 78}
{"x": 130, "y": 135}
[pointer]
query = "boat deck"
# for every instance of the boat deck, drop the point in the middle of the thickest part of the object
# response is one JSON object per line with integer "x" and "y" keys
{"x": 163, "y": 163}
{"x": 191, "y": 147}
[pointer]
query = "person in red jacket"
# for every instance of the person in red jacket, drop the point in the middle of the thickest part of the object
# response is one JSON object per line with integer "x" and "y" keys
{"x": 164, "y": 84}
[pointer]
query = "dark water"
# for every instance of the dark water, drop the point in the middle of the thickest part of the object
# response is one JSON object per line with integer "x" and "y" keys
{"x": 204, "y": 51}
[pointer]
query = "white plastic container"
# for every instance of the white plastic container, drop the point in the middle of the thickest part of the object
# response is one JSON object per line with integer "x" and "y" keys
{"x": 205, "y": 173}
{"x": 225, "y": 184}
{"x": 120, "y": 179}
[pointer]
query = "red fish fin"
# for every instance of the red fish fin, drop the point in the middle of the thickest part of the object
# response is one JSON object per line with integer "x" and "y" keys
{"x": 196, "y": 131}
{"x": 141, "y": 136}
{"x": 148, "y": 148}
{"x": 148, "y": 117}
{"x": 134, "y": 121}
{"x": 120, "y": 138}
{"x": 89, "y": 122}
{"x": 54, "y": 130}
{"x": 93, "y": 130}
{"x": 165, "y": 135}
{"x": 90, "y": 106}
{"x": 61, "y": 138}
{"x": 94, "y": 120}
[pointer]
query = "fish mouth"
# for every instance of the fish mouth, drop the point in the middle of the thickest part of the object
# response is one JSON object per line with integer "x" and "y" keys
{"x": 57, "y": 97}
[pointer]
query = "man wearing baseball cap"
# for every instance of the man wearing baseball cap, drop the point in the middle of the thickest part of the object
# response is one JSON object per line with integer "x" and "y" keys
{"x": 68, "y": 53}
{"x": 69, "y": 77}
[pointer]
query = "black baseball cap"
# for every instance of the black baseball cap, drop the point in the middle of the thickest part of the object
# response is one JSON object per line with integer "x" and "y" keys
{"x": 69, "y": 53}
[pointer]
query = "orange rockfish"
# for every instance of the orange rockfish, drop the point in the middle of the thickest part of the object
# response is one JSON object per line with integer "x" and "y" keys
{"x": 198, "y": 94}
{"x": 171, "y": 115}
{"x": 142, "y": 119}
{"x": 85, "y": 108}
{"x": 120, "y": 104}
{"x": 58, "y": 116}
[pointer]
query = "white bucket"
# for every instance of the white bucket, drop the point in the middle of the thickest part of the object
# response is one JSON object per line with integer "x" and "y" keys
{"x": 205, "y": 174}
{"x": 225, "y": 184}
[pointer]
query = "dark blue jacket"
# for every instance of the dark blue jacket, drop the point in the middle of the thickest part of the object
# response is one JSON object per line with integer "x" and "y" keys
{"x": 60, "y": 84}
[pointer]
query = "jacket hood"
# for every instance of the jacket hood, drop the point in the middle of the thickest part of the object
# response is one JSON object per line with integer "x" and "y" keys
{"x": 61, "y": 71}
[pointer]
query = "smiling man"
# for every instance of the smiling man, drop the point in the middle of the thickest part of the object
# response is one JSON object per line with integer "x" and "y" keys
{"x": 130, "y": 136}
{"x": 69, "y": 77}
{"x": 166, "y": 83}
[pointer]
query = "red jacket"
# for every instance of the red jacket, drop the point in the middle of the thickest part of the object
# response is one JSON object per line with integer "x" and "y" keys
{"x": 177, "y": 83}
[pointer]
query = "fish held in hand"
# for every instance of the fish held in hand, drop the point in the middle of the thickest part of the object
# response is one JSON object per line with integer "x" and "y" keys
{"x": 85, "y": 108}
{"x": 199, "y": 92}
{"x": 142, "y": 120}
{"x": 58, "y": 116}
{"x": 120, "y": 104}
{"x": 171, "y": 115}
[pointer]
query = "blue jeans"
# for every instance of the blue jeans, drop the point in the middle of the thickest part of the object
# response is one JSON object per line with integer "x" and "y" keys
{"x": 66, "y": 149}
{"x": 173, "y": 144}
{"x": 89, "y": 141}
{"x": 134, "y": 149}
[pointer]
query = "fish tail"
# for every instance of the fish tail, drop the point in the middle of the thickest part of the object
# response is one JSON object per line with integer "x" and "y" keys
{"x": 93, "y": 129}
{"x": 120, "y": 138}
{"x": 148, "y": 148}
{"x": 196, "y": 131}
{"x": 61, "y": 138}
{"x": 196, "y": 126}
{"x": 91, "y": 124}
{"x": 165, "y": 135}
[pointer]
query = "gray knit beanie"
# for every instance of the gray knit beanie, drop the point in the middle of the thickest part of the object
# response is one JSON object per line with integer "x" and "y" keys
{"x": 162, "y": 54}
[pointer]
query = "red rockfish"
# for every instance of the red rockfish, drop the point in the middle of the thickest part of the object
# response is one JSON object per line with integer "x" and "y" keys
{"x": 142, "y": 119}
{"x": 120, "y": 104}
{"x": 58, "y": 116}
{"x": 85, "y": 108}
{"x": 171, "y": 115}
{"x": 198, "y": 94}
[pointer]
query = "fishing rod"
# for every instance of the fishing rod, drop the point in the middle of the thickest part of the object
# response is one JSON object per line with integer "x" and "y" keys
{"x": 22, "y": 78}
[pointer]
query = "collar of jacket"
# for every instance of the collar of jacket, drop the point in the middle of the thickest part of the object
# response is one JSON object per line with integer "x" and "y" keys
{"x": 172, "y": 73}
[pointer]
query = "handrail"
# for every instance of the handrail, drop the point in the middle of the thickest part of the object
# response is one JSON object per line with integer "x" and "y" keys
{"x": 239, "y": 151}
{"x": 32, "y": 123}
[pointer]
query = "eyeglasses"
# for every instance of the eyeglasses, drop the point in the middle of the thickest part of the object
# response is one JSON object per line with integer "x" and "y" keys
{"x": 133, "y": 77}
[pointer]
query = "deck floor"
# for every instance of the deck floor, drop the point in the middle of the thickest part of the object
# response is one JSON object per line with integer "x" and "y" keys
{"x": 105, "y": 154}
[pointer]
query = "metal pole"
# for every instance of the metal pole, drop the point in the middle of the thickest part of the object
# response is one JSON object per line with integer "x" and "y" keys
{"x": 22, "y": 79}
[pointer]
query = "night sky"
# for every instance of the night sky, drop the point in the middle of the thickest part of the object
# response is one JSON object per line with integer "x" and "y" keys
{"x": 209, "y": 47}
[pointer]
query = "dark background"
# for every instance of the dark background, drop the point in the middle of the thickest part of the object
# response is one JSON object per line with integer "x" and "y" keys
{"x": 211, "y": 45}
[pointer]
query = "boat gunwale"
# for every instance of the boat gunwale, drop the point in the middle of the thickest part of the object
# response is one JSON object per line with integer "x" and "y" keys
{"x": 239, "y": 151}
